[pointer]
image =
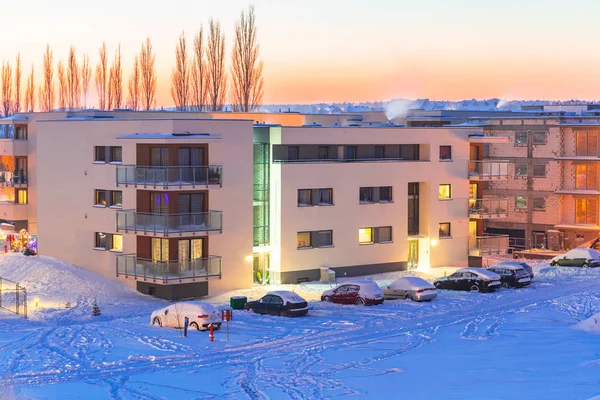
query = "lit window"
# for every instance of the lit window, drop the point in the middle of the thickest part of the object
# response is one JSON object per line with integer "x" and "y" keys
{"x": 303, "y": 240}
{"x": 365, "y": 235}
{"x": 116, "y": 242}
{"x": 445, "y": 191}
{"x": 100, "y": 198}
{"x": 586, "y": 211}
{"x": 22, "y": 196}
{"x": 444, "y": 230}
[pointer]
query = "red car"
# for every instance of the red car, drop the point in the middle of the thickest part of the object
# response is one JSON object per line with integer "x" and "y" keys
{"x": 355, "y": 292}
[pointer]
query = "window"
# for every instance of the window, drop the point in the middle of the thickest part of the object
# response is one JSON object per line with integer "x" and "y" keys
{"x": 325, "y": 196}
{"x": 385, "y": 194}
{"x": 521, "y": 169}
{"x": 22, "y": 196}
{"x": 101, "y": 240}
{"x": 21, "y": 132}
{"x": 366, "y": 195}
{"x": 304, "y": 197}
{"x": 307, "y": 240}
{"x": 293, "y": 153}
{"x": 276, "y": 300}
{"x": 445, "y": 191}
{"x": 116, "y": 198}
{"x": 315, "y": 197}
{"x": 99, "y": 154}
{"x": 445, "y": 152}
{"x": 116, "y": 242}
{"x": 383, "y": 234}
{"x": 323, "y": 152}
{"x": 365, "y": 235}
{"x": 586, "y": 176}
{"x": 539, "y": 171}
{"x": 381, "y": 194}
{"x": 586, "y": 211}
{"x": 520, "y": 138}
{"x": 351, "y": 152}
{"x": 539, "y": 203}
{"x": 116, "y": 154}
{"x": 444, "y": 230}
{"x": 379, "y": 152}
{"x": 521, "y": 202}
{"x": 586, "y": 143}
{"x": 413, "y": 208}
{"x": 100, "y": 198}
{"x": 539, "y": 137}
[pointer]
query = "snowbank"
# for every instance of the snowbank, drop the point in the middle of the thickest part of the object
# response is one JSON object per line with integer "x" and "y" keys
{"x": 590, "y": 325}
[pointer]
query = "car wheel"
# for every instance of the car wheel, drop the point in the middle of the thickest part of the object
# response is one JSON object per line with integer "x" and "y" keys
{"x": 157, "y": 321}
{"x": 505, "y": 285}
{"x": 194, "y": 325}
{"x": 585, "y": 265}
{"x": 552, "y": 263}
{"x": 474, "y": 288}
{"x": 327, "y": 299}
{"x": 407, "y": 297}
{"x": 360, "y": 302}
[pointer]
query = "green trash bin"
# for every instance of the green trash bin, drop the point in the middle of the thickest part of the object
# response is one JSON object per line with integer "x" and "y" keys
{"x": 238, "y": 302}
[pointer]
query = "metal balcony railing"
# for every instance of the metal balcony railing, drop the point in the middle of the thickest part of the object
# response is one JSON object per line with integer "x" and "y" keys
{"x": 207, "y": 175}
{"x": 485, "y": 170}
{"x": 165, "y": 225}
{"x": 13, "y": 178}
{"x": 488, "y": 208}
{"x": 488, "y": 244}
{"x": 169, "y": 272}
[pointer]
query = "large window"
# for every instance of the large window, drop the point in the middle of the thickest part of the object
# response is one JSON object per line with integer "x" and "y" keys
{"x": 520, "y": 138}
{"x": 381, "y": 234}
{"x": 315, "y": 197}
{"x": 521, "y": 169}
{"x": 314, "y": 239}
{"x": 445, "y": 191}
{"x": 520, "y": 202}
{"x": 586, "y": 211}
{"x": 444, "y": 231}
{"x": 539, "y": 171}
{"x": 377, "y": 194}
{"x": 586, "y": 176}
{"x": 586, "y": 143}
{"x": 445, "y": 152}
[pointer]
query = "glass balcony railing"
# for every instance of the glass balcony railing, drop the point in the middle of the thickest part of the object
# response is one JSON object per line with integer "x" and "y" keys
{"x": 13, "y": 178}
{"x": 169, "y": 272}
{"x": 485, "y": 170}
{"x": 488, "y": 245}
{"x": 206, "y": 175}
{"x": 488, "y": 208}
{"x": 156, "y": 224}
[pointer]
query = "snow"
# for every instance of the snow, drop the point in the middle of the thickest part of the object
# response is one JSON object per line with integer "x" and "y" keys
{"x": 577, "y": 253}
{"x": 590, "y": 325}
{"x": 511, "y": 266}
{"x": 482, "y": 273}
{"x": 288, "y": 296}
{"x": 460, "y": 345}
{"x": 410, "y": 282}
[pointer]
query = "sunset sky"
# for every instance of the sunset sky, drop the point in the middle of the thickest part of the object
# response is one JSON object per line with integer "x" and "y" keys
{"x": 344, "y": 50}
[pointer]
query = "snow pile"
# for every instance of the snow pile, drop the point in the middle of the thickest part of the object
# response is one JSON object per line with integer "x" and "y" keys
{"x": 590, "y": 325}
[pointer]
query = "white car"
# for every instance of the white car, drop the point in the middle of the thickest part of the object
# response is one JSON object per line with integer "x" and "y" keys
{"x": 200, "y": 315}
{"x": 410, "y": 287}
{"x": 579, "y": 257}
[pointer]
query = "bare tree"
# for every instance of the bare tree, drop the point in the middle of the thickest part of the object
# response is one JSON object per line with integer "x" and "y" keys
{"x": 102, "y": 77}
{"x": 30, "y": 92}
{"x": 246, "y": 69}
{"x": 116, "y": 80}
{"x": 217, "y": 77}
{"x": 148, "y": 75}
{"x": 110, "y": 98}
{"x": 180, "y": 78}
{"x": 198, "y": 95}
{"x": 73, "y": 81}
{"x": 7, "y": 99}
{"x": 62, "y": 86}
{"x": 86, "y": 75}
{"x": 47, "y": 91}
{"x": 134, "y": 85}
{"x": 17, "y": 101}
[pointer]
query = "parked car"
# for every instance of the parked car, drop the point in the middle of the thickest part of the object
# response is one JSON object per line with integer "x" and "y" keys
{"x": 470, "y": 279}
{"x": 580, "y": 257}
{"x": 281, "y": 302}
{"x": 355, "y": 292}
{"x": 526, "y": 266}
{"x": 511, "y": 275}
{"x": 200, "y": 315}
{"x": 410, "y": 287}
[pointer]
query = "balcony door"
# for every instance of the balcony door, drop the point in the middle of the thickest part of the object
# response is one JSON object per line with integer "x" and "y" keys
{"x": 159, "y": 157}
{"x": 190, "y": 254}
{"x": 190, "y": 157}
{"x": 189, "y": 207}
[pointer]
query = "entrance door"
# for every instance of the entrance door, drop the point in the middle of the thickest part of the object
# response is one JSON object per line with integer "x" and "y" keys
{"x": 413, "y": 254}
{"x": 261, "y": 268}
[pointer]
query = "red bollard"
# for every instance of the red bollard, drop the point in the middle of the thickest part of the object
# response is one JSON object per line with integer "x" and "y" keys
{"x": 211, "y": 335}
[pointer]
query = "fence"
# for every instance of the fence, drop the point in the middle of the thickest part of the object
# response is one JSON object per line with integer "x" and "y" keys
{"x": 13, "y": 297}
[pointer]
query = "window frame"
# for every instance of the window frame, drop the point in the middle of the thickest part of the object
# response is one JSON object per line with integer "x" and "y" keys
{"x": 537, "y": 175}
{"x": 112, "y": 242}
{"x": 524, "y": 207}
{"x": 322, "y": 203}
{"x": 587, "y": 212}
{"x": 315, "y": 239}
{"x": 111, "y": 154}
{"x": 449, "y": 191}
{"x": 112, "y": 199}
{"x": 449, "y": 235}
{"x": 309, "y": 245}
{"x": 449, "y": 147}
{"x": 520, "y": 143}
{"x": 97, "y": 151}
{"x": 533, "y": 134}
{"x": 537, "y": 208}
{"x": 391, "y": 192}
{"x": 372, "y": 236}
{"x": 517, "y": 175}
{"x": 309, "y": 204}
{"x": 366, "y": 189}
{"x": 98, "y": 245}
{"x": 18, "y": 196}
{"x": 106, "y": 197}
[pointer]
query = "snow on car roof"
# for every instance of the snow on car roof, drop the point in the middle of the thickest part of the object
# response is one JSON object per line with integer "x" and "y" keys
{"x": 511, "y": 266}
{"x": 199, "y": 304}
{"x": 582, "y": 253}
{"x": 288, "y": 296}
{"x": 359, "y": 282}
{"x": 408, "y": 282}
{"x": 484, "y": 273}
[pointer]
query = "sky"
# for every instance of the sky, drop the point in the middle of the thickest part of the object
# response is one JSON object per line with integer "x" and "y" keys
{"x": 343, "y": 50}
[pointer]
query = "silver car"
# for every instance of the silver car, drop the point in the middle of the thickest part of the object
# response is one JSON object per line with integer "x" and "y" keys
{"x": 410, "y": 287}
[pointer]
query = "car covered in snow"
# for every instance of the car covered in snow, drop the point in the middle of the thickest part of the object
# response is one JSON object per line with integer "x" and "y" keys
{"x": 511, "y": 275}
{"x": 281, "y": 302}
{"x": 470, "y": 279}
{"x": 526, "y": 266}
{"x": 410, "y": 287}
{"x": 580, "y": 257}
{"x": 359, "y": 292}
{"x": 200, "y": 315}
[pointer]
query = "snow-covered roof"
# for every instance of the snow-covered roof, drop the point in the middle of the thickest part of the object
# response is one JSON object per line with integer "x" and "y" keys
{"x": 288, "y": 296}
{"x": 410, "y": 282}
{"x": 484, "y": 273}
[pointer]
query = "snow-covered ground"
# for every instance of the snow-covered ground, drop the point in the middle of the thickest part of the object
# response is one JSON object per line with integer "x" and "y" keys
{"x": 515, "y": 343}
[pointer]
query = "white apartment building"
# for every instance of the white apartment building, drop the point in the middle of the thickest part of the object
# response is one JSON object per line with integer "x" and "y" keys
{"x": 181, "y": 205}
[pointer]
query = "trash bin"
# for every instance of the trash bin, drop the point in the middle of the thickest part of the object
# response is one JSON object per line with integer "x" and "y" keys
{"x": 327, "y": 275}
{"x": 238, "y": 302}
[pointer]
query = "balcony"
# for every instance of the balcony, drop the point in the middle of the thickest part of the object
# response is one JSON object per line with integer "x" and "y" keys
{"x": 490, "y": 208}
{"x": 170, "y": 177}
{"x": 173, "y": 224}
{"x": 488, "y": 245}
{"x": 13, "y": 179}
{"x": 488, "y": 170}
{"x": 169, "y": 272}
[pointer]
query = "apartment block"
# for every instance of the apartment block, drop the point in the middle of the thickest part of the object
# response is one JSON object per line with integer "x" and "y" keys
{"x": 181, "y": 205}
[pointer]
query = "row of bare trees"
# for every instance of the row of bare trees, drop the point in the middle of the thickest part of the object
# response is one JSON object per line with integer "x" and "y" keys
{"x": 200, "y": 82}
